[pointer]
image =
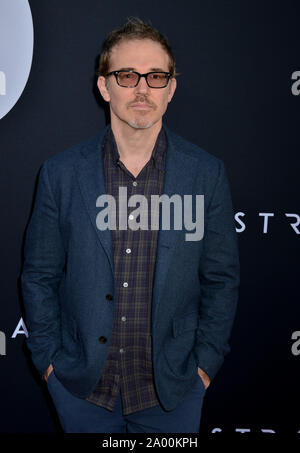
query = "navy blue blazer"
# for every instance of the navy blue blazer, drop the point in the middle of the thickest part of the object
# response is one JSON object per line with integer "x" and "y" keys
{"x": 69, "y": 269}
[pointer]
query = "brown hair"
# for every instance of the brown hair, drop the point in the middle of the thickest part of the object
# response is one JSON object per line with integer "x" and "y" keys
{"x": 134, "y": 28}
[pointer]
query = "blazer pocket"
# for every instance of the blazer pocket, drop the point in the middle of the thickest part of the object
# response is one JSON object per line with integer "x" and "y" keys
{"x": 187, "y": 322}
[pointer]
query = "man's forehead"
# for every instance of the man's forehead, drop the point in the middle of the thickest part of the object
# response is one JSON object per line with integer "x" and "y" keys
{"x": 139, "y": 51}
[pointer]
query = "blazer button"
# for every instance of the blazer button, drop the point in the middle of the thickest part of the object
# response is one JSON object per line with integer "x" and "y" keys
{"x": 109, "y": 297}
{"x": 103, "y": 339}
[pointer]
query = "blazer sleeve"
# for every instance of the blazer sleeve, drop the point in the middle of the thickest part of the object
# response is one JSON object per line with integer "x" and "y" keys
{"x": 44, "y": 259}
{"x": 219, "y": 278}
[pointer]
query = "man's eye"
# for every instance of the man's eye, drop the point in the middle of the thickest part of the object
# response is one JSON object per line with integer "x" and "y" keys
{"x": 158, "y": 76}
{"x": 129, "y": 75}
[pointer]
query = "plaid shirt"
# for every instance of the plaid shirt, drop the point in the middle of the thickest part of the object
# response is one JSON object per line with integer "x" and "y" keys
{"x": 129, "y": 360}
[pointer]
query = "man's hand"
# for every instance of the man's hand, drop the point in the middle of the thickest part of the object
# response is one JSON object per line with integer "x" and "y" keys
{"x": 48, "y": 372}
{"x": 204, "y": 377}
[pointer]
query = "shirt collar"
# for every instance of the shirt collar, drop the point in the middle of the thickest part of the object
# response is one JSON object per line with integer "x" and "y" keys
{"x": 158, "y": 152}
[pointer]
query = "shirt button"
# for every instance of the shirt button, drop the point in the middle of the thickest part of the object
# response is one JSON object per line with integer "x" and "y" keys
{"x": 131, "y": 217}
{"x": 109, "y": 297}
{"x": 123, "y": 318}
{"x": 122, "y": 350}
{"x": 103, "y": 339}
{"x": 134, "y": 183}
{"x": 128, "y": 250}
{"x": 125, "y": 284}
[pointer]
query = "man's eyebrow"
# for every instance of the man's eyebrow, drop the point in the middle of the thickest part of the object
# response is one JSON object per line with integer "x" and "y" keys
{"x": 150, "y": 70}
{"x": 126, "y": 69}
{"x": 158, "y": 69}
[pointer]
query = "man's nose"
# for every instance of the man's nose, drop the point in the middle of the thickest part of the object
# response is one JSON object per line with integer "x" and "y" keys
{"x": 142, "y": 86}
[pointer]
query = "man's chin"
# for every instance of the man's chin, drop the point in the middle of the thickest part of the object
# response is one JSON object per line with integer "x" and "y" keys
{"x": 140, "y": 124}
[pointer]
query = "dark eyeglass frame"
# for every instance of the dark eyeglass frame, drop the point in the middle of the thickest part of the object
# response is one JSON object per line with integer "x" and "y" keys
{"x": 115, "y": 73}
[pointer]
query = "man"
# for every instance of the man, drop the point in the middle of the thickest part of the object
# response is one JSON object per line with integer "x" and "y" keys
{"x": 129, "y": 326}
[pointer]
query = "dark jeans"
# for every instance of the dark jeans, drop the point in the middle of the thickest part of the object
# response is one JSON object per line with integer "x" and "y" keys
{"x": 80, "y": 416}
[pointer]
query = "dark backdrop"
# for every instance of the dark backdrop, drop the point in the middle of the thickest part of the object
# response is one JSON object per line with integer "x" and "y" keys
{"x": 234, "y": 99}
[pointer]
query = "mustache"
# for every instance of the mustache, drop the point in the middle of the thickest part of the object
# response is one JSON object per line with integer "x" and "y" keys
{"x": 142, "y": 99}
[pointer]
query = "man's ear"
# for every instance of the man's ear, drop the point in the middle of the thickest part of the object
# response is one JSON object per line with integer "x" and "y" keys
{"x": 101, "y": 84}
{"x": 172, "y": 88}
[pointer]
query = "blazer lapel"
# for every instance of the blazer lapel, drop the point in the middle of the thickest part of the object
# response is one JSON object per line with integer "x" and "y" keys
{"x": 180, "y": 174}
{"x": 91, "y": 179}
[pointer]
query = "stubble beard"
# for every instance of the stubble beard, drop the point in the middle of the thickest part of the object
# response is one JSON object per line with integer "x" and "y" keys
{"x": 139, "y": 122}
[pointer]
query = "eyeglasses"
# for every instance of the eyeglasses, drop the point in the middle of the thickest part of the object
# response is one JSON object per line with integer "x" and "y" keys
{"x": 130, "y": 79}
